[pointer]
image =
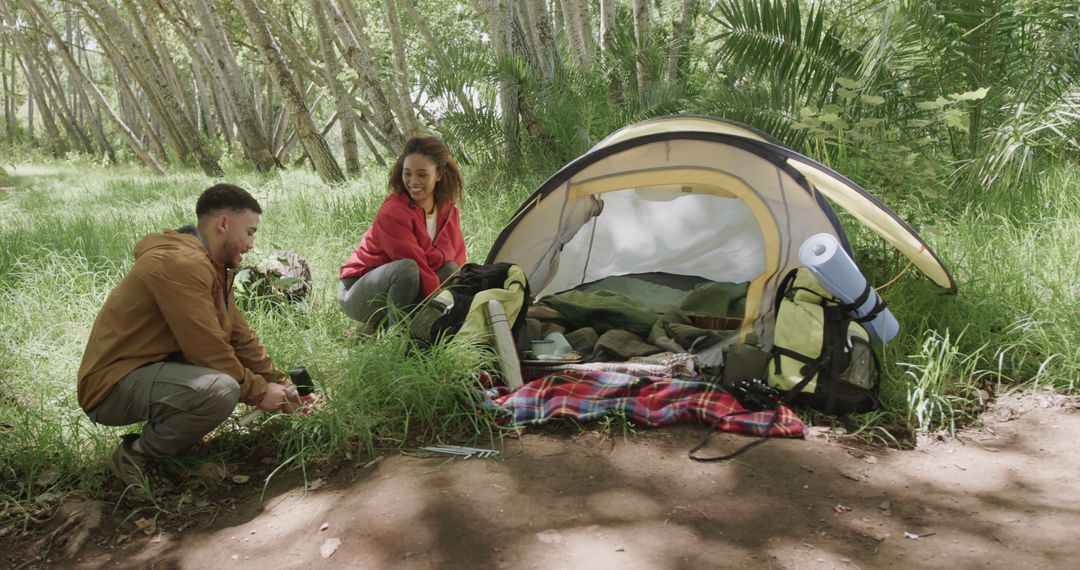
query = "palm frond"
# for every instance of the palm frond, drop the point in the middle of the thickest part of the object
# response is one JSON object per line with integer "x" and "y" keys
{"x": 772, "y": 39}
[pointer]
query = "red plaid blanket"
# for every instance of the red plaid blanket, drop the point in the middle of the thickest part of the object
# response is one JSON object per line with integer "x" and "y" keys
{"x": 654, "y": 401}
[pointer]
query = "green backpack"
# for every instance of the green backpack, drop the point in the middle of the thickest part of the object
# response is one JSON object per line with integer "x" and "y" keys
{"x": 819, "y": 352}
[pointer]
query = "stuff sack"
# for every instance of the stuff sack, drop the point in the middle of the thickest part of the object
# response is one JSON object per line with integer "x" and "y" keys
{"x": 820, "y": 352}
{"x": 458, "y": 310}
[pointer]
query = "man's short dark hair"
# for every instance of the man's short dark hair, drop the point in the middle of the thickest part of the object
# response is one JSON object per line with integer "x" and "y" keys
{"x": 226, "y": 197}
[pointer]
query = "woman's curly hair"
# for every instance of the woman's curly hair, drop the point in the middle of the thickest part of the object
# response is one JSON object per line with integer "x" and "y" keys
{"x": 449, "y": 187}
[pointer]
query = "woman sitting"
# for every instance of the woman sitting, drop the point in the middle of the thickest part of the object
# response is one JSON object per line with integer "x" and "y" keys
{"x": 415, "y": 242}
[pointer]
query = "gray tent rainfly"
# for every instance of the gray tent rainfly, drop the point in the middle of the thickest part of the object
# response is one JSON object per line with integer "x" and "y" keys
{"x": 697, "y": 196}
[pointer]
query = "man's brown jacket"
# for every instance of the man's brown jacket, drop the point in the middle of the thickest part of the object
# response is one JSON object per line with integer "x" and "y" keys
{"x": 175, "y": 303}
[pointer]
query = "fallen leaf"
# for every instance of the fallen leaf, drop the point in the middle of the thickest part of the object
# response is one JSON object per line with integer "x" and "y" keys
{"x": 47, "y": 497}
{"x": 316, "y": 484}
{"x": 146, "y": 525}
{"x": 885, "y": 505}
{"x": 324, "y": 526}
{"x": 240, "y": 479}
{"x": 870, "y": 459}
{"x": 47, "y": 478}
{"x": 329, "y": 547}
{"x": 911, "y": 535}
{"x": 210, "y": 472}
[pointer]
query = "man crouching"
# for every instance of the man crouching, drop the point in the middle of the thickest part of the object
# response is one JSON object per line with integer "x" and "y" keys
{"x": 169, "y": 346}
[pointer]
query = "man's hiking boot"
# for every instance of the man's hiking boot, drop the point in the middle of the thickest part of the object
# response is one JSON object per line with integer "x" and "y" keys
{"x": 130, "y": 467}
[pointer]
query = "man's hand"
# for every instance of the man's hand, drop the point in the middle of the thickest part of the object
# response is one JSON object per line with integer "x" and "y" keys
{"x": 280, "y": 398}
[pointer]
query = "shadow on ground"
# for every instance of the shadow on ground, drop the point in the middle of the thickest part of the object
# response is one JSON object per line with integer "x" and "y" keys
{"x": 1003, "y": 495}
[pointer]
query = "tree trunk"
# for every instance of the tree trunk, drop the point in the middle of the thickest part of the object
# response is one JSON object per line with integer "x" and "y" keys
{"x": 153, "y": 81}
{"x": 341, "y": 96}
{"x": 608, "y": 12}
{"x": 210, "y": 73}
{"x": 579, "y": 31}
{"x": 558, "y": 20}
{"x": 438, "y": 53}
{"x": 313, "y": 142}
{"x": 268, "y": 104}
{"x": 76, "y": 71}
{"x": 547, "y": 49}
{"x": 643, "y": 39}
{"x": 141, "y": 108}
{"x": 304, "y": 64}
{"x": 36, "y": 84}
{"x": 679, "y": 40}
{"x": 183, "y": 139}
{"x": 365, "y": 115}
{"x": 148, "y": 30}
{"x": 202, "y": 99}
{"x": 227, "y": 73}
{"x": 359, "y": 56}
{"x": 64, "y": 111}
{"x": 402, "y": 83}
{"x": 363, "y": 127}
{"x": 607, "y": 40}
{"x": 223, "y": 108}
{"x": 503, "y": 38}
{"x": 4, "y": 87}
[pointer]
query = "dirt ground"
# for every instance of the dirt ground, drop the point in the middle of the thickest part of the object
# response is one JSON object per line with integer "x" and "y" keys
{"x": 1002, "y": 495}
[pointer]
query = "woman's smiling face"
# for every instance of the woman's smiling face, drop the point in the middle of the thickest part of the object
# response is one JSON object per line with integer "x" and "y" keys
{"x": 419, "y": 175}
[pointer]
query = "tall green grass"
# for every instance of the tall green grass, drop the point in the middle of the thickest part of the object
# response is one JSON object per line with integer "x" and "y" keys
{"x": 68, "y": 232}
{"x": 1012, "y": 323}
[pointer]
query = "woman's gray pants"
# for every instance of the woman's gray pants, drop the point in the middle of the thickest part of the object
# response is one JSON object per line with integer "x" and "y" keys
{"x": 377, "y": 294}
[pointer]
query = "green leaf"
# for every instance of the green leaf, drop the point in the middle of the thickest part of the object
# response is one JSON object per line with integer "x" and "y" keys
{"x": 956, "y": 121}
{"x": 938, "y": 103}
{"x": 831, "y": 109}
{"x": 846, "y": 93}
{"x": 869, "y": 122}
{"x": 872, "y": 99}
{"x": 286, "y": 283}
{"x": 807, "y": 112}
{"x": 970, "y": 95}
{"x": 830, "y": 118}
{"x": 847, "y": 83}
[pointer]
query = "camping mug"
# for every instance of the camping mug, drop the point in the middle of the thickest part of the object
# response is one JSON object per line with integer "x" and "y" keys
{"x": 543, "y": 347}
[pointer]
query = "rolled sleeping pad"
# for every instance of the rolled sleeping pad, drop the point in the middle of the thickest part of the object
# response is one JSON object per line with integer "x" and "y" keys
{"x": 838, "y": 274}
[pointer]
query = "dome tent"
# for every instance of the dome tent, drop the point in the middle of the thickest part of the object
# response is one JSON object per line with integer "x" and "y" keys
{"x": 692, "y": 196}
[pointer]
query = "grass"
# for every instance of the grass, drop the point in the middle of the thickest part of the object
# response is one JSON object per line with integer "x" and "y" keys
{"x": 1013, "y": 322}
{"x": 68, "y": 231}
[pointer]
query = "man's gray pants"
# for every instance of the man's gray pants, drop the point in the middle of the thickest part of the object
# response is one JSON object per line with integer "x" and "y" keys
{"x": 180, "y": 403}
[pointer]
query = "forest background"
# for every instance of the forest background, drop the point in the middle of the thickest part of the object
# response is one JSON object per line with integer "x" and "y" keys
{"x": 961, "y": 115}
